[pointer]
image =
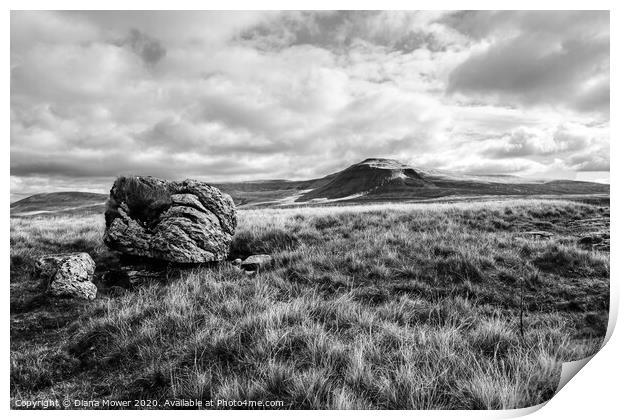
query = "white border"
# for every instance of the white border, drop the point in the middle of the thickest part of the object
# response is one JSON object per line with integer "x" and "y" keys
{"x": 593, "y": 394}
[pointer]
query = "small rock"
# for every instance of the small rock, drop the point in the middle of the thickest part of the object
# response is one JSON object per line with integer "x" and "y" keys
{"x": 128, "y": 273}
{"x": 256, "y": 262}
{"x": 68, "y": 275}
{"x": 590, "y": 240}
{"x": 250, "y": 273}
{"x": 539, "y": 234}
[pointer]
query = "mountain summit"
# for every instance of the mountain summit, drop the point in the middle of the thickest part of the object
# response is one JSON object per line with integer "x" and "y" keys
{"x": 371, "y": 176}
{"x": 377, "y": 179}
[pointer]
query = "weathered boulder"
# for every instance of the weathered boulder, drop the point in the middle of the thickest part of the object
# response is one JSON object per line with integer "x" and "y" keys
{"x": 182, "y": 222}
{"x": 68, "y": 275}
{"x": 256, "y": 262}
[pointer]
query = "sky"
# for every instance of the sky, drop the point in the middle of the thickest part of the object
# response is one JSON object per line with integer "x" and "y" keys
{"x": 230, "y": 96}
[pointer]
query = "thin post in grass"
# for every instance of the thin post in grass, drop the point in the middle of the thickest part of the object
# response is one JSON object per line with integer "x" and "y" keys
{"x": 521, "y": 312}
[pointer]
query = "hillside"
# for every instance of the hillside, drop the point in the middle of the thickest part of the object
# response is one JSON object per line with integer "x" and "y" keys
{"x": 368, "y": 177}
{"x": 389, "y": 180}
{"x": 372, "y": 180}
{"x": 59, "y": 202}
{"x": 253, "y": 192}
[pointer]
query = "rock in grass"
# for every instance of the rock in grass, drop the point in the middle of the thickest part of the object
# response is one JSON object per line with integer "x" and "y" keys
{"x": 182, "y": 222}
{"x": 590, "y": 240}
{"x": 539, "y": 234}
{"x": 256, "y": 262}
{"x": 68, "y": 275}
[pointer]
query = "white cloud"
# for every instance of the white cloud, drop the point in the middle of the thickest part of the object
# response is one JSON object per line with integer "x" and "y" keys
{"x": 231, "y": 96}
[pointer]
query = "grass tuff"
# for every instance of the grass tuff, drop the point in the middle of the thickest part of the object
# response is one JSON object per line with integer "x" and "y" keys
{"x": 396, "y": 306}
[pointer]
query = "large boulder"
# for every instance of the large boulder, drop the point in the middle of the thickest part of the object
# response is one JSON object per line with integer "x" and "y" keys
{"x": 68, "y": 275}
{"x": 182, "y": 222}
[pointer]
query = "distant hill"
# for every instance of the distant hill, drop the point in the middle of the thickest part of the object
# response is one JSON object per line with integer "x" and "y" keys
{"x": 373, "y": 179}
{"x": 368, "y": 177}
{"x": 255, "y": 192}
{"x": 59, "y": 202}
{"x": 389, "y": 180}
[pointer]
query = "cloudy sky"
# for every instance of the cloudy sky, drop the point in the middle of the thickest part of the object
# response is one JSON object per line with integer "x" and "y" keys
{"x": 242, "y": 96}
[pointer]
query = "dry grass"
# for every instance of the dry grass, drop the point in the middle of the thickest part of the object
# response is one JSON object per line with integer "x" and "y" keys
{"x": 379, "y": 306}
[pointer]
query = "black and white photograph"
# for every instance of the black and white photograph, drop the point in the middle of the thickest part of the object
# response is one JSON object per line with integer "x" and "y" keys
{"x": 306, "y": 209}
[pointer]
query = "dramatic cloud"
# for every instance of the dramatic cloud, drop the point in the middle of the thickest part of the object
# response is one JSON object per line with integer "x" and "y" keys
{"x": 246, "y": 95}
{"x": 545, "y": 58}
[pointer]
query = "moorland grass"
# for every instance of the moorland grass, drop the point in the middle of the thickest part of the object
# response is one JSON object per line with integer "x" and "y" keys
{"x": 381, "y": 306}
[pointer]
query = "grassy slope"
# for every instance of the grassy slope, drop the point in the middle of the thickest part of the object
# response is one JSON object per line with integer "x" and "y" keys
{"x": 398, "y": 190}
{"x": 393, "y": 181}
{"x": 354, "y": 180}
{"x": 75, "y": 202}
{"x": 67, "y": 203}
{"x": 391, "y": 306}
{"x": 271, "y": 190}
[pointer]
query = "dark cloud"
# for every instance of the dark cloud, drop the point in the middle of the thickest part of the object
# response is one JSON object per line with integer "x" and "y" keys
{"x": 172, "y": 166}
{"x": 594, "y": 97}
{"x": 148, "y": 48}
{"x": 548, "y": 58}
{"x": 479, "y": 25}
